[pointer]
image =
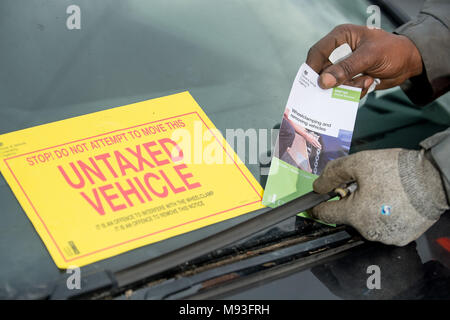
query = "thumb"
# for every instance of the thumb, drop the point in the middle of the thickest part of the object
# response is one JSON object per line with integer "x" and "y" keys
{"x": 346, "y": 69}
{"x": 336, "y": 173}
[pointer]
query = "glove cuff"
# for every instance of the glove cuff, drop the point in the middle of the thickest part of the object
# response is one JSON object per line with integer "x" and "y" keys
{"x": 422, "y": 183}
{"x": 437, "y": 151}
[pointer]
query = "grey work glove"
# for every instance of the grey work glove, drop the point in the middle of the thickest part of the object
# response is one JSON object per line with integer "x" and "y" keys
{"x": 400, "y": 194}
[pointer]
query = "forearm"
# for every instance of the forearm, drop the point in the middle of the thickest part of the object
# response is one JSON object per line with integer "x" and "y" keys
{"x": 298, "y": 129}
{"x": 430, "y": 34}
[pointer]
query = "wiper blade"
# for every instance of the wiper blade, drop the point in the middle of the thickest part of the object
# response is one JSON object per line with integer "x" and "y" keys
{"x": 219, "y": 240}
{"x": 170, "y": 260}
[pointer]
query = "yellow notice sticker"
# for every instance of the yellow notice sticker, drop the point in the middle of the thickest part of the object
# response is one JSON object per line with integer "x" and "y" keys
{"x": 101, "y": 184}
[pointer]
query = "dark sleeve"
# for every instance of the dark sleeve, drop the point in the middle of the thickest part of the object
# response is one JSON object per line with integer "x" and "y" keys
{"x": 438, "y": 149}
{"x": 430, "y": 33}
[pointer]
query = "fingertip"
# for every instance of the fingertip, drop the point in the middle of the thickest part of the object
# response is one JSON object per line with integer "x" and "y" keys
{"x": 319, "y": 213}
{"x": 312, "y": 213}
{"x": 320, "y": 187}
{"x": 315, "y": 212}
{"x": 330, "y": 212}
{"x": 327, "y": 80}
{"x": 368, "y": 82}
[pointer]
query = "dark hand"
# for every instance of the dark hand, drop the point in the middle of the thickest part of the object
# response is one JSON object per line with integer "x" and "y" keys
{"x": 376, "y": 54}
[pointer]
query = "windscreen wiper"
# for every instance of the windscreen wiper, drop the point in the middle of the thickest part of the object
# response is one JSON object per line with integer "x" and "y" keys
{"x": 228, "y": 236}
{"x": 170, "y": 260}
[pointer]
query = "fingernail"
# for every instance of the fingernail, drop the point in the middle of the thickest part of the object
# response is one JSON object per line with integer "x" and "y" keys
{"x": 327, "y": 80}
{"x": 367, "y": 83}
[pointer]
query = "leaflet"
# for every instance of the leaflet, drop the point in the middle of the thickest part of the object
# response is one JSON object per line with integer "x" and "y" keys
{"x": 104, "y": 183}
{"x": 316, "y": 127}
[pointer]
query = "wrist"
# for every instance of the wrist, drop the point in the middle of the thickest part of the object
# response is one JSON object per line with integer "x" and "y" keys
{"x": 414, "y": 58}
{"x": 422, "y": 183}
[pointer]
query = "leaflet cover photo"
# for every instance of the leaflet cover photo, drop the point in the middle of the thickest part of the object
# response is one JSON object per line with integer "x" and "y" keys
{"x": 316, "y": 127}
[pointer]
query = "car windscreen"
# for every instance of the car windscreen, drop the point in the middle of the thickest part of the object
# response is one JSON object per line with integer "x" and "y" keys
{"x": 237, "y": 58}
